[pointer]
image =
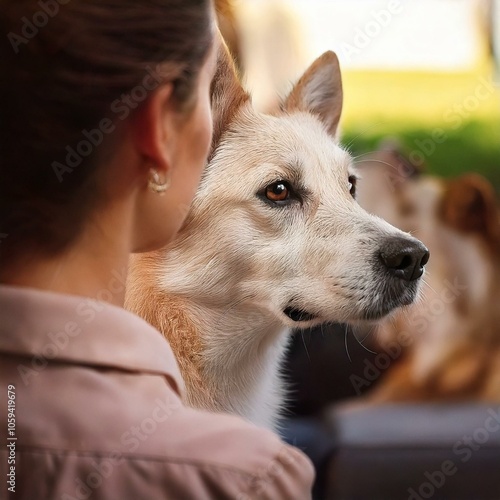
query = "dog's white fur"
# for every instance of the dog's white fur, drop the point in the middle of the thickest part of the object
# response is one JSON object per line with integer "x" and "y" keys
{"x": 219, "y": 291}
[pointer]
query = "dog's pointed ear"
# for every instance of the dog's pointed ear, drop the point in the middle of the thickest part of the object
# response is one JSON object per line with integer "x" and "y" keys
{"x": 319, "y": 91}
{"x": 469, "y": 205}
{"x": 227, "y": 94}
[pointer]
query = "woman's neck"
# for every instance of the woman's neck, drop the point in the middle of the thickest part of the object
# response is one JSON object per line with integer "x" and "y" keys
{"x": 95, "y": 266}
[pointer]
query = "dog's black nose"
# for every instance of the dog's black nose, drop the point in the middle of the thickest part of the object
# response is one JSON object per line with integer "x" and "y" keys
{"x": 404, "y": 258}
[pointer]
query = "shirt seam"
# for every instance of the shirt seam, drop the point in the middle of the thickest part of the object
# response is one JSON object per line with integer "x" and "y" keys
{"x": 149, "y": 458}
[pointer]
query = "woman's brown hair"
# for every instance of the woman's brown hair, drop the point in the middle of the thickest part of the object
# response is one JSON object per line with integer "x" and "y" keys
{"x": 70, "y": 71}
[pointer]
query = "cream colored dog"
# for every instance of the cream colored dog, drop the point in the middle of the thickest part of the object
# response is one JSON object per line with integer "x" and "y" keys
{"x": 273, "y": 240}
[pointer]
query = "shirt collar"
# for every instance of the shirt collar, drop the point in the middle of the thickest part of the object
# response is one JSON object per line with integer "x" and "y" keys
{"x": 67, "y": 328}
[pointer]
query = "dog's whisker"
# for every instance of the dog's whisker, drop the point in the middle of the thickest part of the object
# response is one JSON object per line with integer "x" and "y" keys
{"x": 375, "y": 161}
{"x": 345, "y": 343}
{"x": 370, "y": 127}
{"x": 425, "y": 283}
{"x": 370, "y": 331}
{"x": 305, "y": 346}
{"x": 361, "y": 344}
{"x": 406, "y": 312}
{"x": 363, "y": 154}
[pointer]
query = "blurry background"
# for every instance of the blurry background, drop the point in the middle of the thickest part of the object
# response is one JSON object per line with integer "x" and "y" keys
{"x": 391, "y": 405}
{"x": 410, "y": 68}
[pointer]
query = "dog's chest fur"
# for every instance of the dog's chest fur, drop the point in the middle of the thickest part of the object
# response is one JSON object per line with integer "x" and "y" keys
{"x": 238, "y": 363}
{"x": 246, "y": 376}
{"x": 228, "y": 360}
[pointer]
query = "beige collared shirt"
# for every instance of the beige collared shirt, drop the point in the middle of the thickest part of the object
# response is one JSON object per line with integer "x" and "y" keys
{"x": 90, "y": 408}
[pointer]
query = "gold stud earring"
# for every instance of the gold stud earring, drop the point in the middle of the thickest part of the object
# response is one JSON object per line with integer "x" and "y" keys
{"x": 155, "y": 183}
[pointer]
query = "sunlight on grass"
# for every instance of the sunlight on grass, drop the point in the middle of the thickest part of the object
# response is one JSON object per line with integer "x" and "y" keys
{"x": 462, "y": 109}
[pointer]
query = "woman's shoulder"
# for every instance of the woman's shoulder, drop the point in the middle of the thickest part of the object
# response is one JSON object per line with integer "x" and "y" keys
{"x": 103, "y": 398}
{"x": 96, "y": 426}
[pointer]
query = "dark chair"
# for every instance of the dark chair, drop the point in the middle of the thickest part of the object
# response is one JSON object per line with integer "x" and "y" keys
{"x": 406, "y": 451}
{"x": 390, "y": 452}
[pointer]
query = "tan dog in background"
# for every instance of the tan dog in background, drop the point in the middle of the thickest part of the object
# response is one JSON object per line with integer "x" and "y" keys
{"x": 273, "y": 240}
{"x": 451, "y": 337}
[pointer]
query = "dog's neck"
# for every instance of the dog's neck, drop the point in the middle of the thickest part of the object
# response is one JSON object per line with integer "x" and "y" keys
{"x": 229, "y": 356}
{"x": 242, "y": 354}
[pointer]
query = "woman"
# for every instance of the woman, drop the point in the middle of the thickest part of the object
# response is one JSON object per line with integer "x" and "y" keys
{"x": 105, "y": 130}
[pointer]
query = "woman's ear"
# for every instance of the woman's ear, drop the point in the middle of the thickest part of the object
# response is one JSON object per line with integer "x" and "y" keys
{"x": 151, "y": 129}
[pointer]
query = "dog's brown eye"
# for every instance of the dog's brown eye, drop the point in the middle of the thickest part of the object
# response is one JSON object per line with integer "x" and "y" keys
{"x": 352, "y": 185}
{"x": 278, "y": 191}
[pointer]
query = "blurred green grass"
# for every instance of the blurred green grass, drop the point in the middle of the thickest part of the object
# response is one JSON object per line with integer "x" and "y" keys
{"x": 475, "y": 146}
{"x": 411, "y": 106}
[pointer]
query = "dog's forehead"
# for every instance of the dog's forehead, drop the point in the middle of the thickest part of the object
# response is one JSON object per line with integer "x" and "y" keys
{"x": 298, "y": 140}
